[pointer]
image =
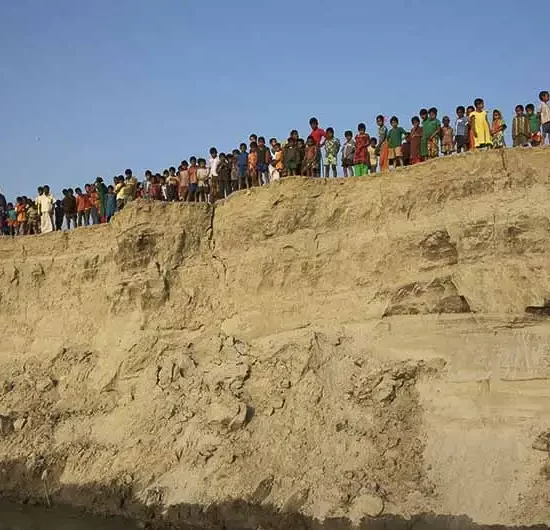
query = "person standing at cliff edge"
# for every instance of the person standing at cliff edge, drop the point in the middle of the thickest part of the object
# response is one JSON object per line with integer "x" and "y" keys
{"x": 45, "y": 203}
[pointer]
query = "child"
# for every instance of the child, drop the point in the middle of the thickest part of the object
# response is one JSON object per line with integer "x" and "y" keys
{"x": 93, "y": 198}
{"x": 110, "y": 202}
{"x": 212, "y": 181}
{"x": 395, "y": 142}
{"x": 82, "y": 206}
{"x": 33, "y": 219}
{"x": 311, "y": 159}
{"x": 301, "y": 156}
{"x": 155, "y": 189}
{"x": 172, "y": 185}
{"x": 461, "y": 130}
{"x": 12, "y": 220}
{"x": 273, "y": 146}
{"x": 497, "y": 130}
{"x": 416, "y": 141}
{"x": 21, "y": 210}
{"x": 480, "y": 124}
{"x": 520, "y": 128}
{"x": 332, "y": 148}
{"x": 383, "y": 148}
{"x": 291, "y": 157}
{"x": 184, "y": 181}
{"x": 471, "y": 136}
{"x": 424, "y": 143}
{"x": 235, "y": 171}
{"x": 119, "y": 191}
{"x": 373, "y": 155}
{"x": 534, "y": 125}
{"x": 264, "y": 159}
{"x": 202, "y": 181}
{"x": 253, "y": 165}
{"x": 242, "y": 161}
{"x": 447, "y": 137}
{"x": 58, "y": 212}
{"x": 69, "y": 209}
{"x": 193, "y": 181}
{"x": 348, "y": 154}
{"x": 278, "y": 163}
{"x": 431, "y": 130}
{"x": 406, "y": 148}
{"x": 224, "y": 178}
{"x": 544, "y": 115}
{"x": 361, "y": 158}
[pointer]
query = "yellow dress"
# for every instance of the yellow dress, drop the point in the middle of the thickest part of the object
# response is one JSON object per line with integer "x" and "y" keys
{"x": 481, "y": 126}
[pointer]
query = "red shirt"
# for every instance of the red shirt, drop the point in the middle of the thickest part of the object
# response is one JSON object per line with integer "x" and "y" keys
{"x": 317, "y": 135}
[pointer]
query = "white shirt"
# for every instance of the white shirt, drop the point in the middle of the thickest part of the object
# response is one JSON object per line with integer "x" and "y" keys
{"x": 213, "y": 164}
{"x": 544, "y": 110}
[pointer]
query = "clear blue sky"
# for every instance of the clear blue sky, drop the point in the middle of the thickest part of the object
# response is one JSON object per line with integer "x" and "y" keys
{"x": 90, "y": 88}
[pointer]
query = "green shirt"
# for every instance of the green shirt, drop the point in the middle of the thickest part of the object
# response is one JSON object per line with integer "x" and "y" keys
{"x": 429, "y": 127}
{"x": 534, "y": 123}
{"x": 395, "y": 137}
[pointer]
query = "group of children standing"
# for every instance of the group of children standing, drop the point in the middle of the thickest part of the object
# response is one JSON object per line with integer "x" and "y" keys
{"x": 258, "y": 163}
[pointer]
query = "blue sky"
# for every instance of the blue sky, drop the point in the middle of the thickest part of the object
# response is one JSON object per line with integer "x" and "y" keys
{"x": 90, "y": 88}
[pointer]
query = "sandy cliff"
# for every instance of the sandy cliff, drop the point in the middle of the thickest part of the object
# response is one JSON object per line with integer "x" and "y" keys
{"x": 335, "y": 349}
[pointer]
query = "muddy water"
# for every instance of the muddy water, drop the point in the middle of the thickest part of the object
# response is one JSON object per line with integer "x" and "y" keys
{"x": 23, "y": 517}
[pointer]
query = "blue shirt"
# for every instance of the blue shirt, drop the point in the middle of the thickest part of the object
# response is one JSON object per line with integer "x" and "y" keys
{"x": 242, "y": 159}
{"x": 461, "y": 125}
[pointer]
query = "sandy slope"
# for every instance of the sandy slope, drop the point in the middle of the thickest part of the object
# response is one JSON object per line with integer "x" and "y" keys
{"x": 337, "y": 348}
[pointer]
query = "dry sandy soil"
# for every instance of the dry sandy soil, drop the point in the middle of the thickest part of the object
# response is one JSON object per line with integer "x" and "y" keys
{"x": 335, "y": 349}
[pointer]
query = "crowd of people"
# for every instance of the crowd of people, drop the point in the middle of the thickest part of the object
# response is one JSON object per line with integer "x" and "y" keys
{"x": 258, "y": 162}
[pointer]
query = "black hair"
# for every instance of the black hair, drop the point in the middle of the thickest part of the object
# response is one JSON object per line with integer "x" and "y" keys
{"x": 477, "y": 101}
{"x": 213, "y": 150}
{"x": 348, "y": 133}
{"x": 193, "y": 159}
{"x": 361, "y": 127}
{"x": 530, "y": 106}
{"x": 470, "y": 107}
{"x": 148, "y": 173}
{"x": 64, "y": 191}
{"x": 165, "y": 172}
{"x": 520, "y": 107}
{"x": 271, "y": 140}
{"x": 236, "y": 152}
{"x": 330, "y": 129}
{"x": 415, "y": 119}
{"x": 294, "y": 131}
{"x": 432, "y": 110}
{"x": 78, "y": 190}
{"x": 253, "y": 144}
{"x": 394, "y": 118}
{"x": 277, "y": 144}
{"x": 222, "y": 155}
{"x": 261, "y": 139}
{"x": 128, "y": 172}
{"x": 423, "y": 111}
{"x": 173, "y": 169}
{"x": 379, "y": 117}
{"x": 184, "y": 163}
{"x": 373, "y": 141}
{"x": 313, "y": 120}
{"x": 202, "y": 161}
{"x": 253, "y": 136}
{"x": 543, "y": 93}
{"x": 460, "y": 108}
{"x": 445, "y": 118}
{"x": 70, "y": 190}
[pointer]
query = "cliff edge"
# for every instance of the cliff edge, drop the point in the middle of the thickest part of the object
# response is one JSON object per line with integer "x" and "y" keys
{"x": 330, "y": 348}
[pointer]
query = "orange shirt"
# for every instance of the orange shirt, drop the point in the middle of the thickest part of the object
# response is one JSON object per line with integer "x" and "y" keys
{"x": 94, "y": 199}
{"x": 82, "y": 203}
{"x": 279, "y": 160}
{"x": 21, "y": 213}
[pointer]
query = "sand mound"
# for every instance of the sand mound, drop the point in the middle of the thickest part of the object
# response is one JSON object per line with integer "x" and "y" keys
{"x": 340, "y": 348}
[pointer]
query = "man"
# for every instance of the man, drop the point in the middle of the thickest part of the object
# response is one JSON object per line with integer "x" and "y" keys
{"x": 130, "y": 187}
{"x": 45, "y": 203}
